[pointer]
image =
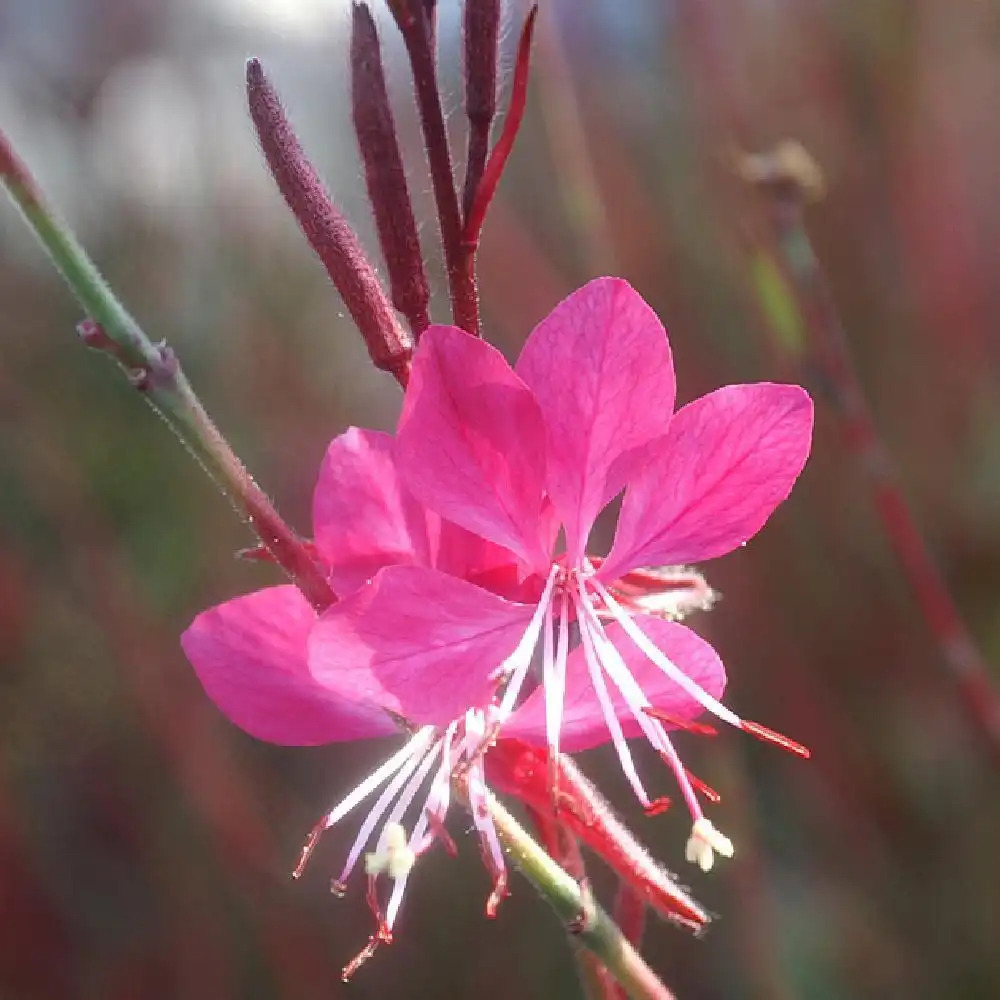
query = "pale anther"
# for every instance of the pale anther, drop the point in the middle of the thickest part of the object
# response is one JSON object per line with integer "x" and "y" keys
{"x": 396, "y": 857}
{"x": 704, "y": 843}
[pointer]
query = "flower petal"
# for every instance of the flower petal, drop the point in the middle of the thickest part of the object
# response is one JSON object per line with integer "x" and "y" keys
{"x": 727, "y": 461}
{"x": 420, "y": 643}
{"x": 601, "y": 369}
{"x": 363, "y": 517}
{"x": 583, "y": 724}
{"x": 250, "y": 655}
{"x": 470, "y": 443}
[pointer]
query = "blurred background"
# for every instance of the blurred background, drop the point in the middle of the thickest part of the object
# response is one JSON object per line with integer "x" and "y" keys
{"x": 145, "y": 842}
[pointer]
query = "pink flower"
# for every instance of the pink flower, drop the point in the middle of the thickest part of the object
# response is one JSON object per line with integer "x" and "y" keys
{"x": 586, "y": 412}
{"x": 443, "y": 542}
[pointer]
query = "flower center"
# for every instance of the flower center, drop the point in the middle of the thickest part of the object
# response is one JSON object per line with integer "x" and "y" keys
{"x": 573, "y": 593}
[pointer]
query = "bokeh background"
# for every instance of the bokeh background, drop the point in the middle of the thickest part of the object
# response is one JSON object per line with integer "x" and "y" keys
{"x": 145, "y": 843}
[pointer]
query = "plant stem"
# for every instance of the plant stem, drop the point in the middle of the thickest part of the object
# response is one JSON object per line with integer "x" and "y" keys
{"x": 563, "y": 847}
{"x": 593, "y": 929}
{"x": 790, "y": 178}
{"x": 155, "y": 371}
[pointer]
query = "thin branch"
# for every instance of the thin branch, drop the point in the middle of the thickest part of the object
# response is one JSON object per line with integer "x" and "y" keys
{"x": 790, "y": 178}
{"x": 153, "y": 369}
{"x": 592, "y": 928}
{"x": 416, "y": 25}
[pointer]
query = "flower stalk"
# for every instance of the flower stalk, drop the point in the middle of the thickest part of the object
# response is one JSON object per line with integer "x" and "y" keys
{"x": 591, "y": 927}
{"x": 789, "y": 179}
{"x": 415, "y": 20}
{"x": 154, "y": 369}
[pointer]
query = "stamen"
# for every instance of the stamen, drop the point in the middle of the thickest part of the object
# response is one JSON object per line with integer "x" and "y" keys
{"x": 377, "y": 811}
{"x": 704, "y": 843}
{"x": 399, "y": 885}
{"x": 436, "y": 806}
{"x": 608, "y": 710}
{"x": 620, "y": 675}
{"x": 698, "y": 728}
{"x": 770, "y": 736}
{"x": 516, "y": 665}
{"x": 492, "y": 852}
{"x": 636, "y": 700}
{"x": 417, "y": 744}
{"x": 707, "y": 790}
{"x": 382, "y": 932}
{"x": 670, "y": 592}
{"x": 310, "y": 845}
{"x": 657, "y": 806}
{"x": 670, "y": 757}
{"x": 382, "y": 935}
{"x": 396, "y": 858}
{"x": 440, "y": 832}
{"x": 498, "y": 895}
{"x": 362, "y": 956}
{"x": 554, "y": 682}
{"x": 674, "y": 672}
{"x": 437, "y": 799}
{"x": 408, "y": 795}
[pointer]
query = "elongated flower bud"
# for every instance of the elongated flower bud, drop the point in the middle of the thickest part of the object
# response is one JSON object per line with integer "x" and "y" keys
{"x": 384, "y": 174}
{"x": 327, "y": 231}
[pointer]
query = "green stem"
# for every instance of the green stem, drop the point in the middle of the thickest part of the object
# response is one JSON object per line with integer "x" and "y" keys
{"x": 592, "y": 928}
{"x": 155, "y": 371}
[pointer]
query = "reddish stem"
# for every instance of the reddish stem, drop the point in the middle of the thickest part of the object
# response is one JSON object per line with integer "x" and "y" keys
{"x": 415, "y": 23}
{"x": 959, "y": 652}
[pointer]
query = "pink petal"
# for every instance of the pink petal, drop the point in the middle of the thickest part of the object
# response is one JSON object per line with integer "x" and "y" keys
{"x": 460, "y": 553}
{"x": 363, "y": 517}
{"x": 470, "y": 443}
{"x": 601, "y": 370}
{"x": 422, "y": 644}
{"x": 727, "y": 461}
{"x": 250, "y": 655}
{"x": 583, "y": 721}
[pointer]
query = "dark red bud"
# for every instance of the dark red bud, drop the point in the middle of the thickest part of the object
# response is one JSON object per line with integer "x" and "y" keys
{"x": 384, "y": 173}
{"x": 328, "y": 233}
